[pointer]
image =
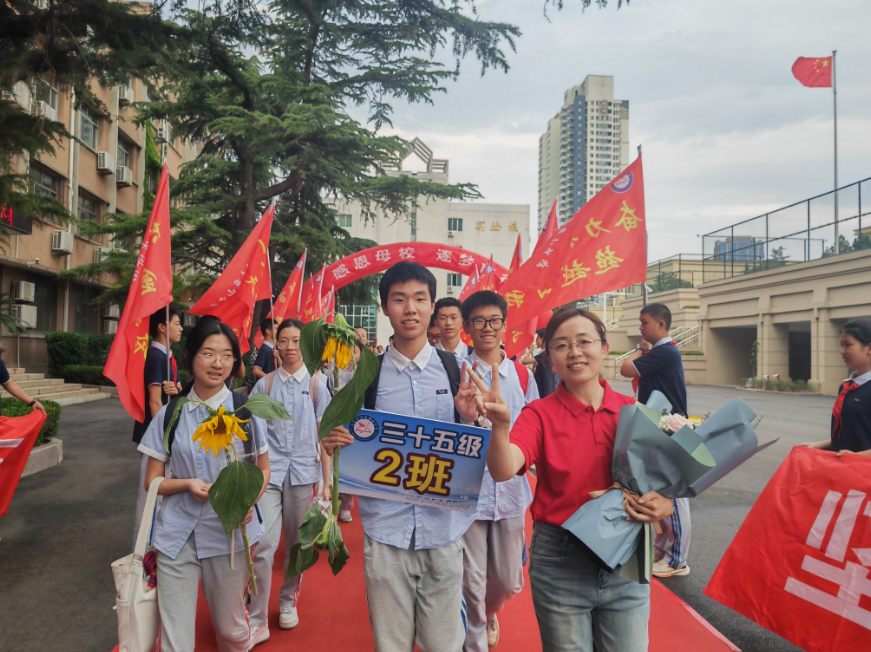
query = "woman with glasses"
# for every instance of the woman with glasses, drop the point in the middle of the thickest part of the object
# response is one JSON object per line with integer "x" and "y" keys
{"x": 569, "y": 438}
{"x": 188, "y": 535}
{"x": 296, "y": 469}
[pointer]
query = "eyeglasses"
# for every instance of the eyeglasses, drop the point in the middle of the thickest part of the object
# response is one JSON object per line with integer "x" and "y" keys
{"x": 210, "y": 358}
{"x": 479, "y": 323}
{"x": 286, "y": 344}
{"x": 563, "y": 348}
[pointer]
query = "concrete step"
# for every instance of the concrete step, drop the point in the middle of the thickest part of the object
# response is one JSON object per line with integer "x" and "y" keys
{"x": 42, "y": 382}
{"x": 52, "y": 389}
{"x": 19, "y": 377}
{"x": 82, "y": 396}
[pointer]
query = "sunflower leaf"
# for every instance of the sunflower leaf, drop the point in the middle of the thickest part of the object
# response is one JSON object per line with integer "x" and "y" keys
{"x": 300, "y": 560}
{"x": 312, "y": 340}
{"x": 234, "y": 492}
{"x": 172, "y": 419}
{"x": 261, "y": 405}
{"x": 339, "y": 554}
{"x": 312, "y": 524}
{"x": 347, "y": 402}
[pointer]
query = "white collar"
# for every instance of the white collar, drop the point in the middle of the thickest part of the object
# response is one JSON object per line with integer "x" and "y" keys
{"x": 664, "y": 340}
{"x": 213, "y": 402}
{"x": 860, "y": 380}
{"x": 298, "y": 375}
{"x": 160, "y": 347}
{"x": 484, "y": 368}
{"x": 269, "y": 344}
{"x": 419, "y": 361}
{"x": 459, "y": 350}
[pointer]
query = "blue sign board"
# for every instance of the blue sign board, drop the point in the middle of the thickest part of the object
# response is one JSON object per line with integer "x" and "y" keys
{"x": 411, "y": 460}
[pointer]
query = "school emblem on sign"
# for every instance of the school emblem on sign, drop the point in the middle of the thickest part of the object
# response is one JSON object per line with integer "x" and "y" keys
{"x": 623, "y": 184}
{"x": 364, "y": 428}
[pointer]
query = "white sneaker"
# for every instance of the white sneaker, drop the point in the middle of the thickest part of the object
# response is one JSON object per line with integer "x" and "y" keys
{"x": 662, "y": 569}
{"x": 288, "y": 618}
{"x": 258, "y": 635}
{"x": 492, "y": 632}
{"x": 345, "y": 516}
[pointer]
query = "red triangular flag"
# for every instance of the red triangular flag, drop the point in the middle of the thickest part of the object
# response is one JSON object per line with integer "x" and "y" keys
{"x": 17, "y": 435}
{"x": 311, "y": 298}
{"x": 470, "y": 286}
{"x": 816, "y": 73}
{"x": 150, "y": 290}
{"x": 244, "y": 282}
{"x": 287, "y": 301}
{"x": 549, "y": 230}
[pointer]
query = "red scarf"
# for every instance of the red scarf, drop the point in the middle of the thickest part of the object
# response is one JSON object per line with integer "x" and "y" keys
{"x": 637, "y": 379}
{"x": 848, "y": 387}
{"x": 174, "y": 378}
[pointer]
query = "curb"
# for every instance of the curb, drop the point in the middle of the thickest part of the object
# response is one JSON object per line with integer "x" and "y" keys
{"x": 44, "y": 457}
{"x": 774, "y": 391}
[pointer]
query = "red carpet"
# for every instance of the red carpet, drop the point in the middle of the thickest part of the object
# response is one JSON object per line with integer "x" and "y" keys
{"x": 333, "y": 614}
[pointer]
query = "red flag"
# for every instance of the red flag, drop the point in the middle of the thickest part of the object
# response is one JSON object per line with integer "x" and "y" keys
{"x": 243, "y": 283}
{"x": 549, "y": 230}
{"x": 330, "y": 306}
{"x": 150, "y": 289}
{"x": 17, "y": 435}
{"x": 287, "y": 301}
{"x": 603, "y": 247}
{"x": 311, "y": 297}
{"x": 470, "y": 286}
{"x": 489, "y": 278}
{"x": 799, "y": 565}
{"x": 816, "y": 73}
{"x": 517, "y": 258}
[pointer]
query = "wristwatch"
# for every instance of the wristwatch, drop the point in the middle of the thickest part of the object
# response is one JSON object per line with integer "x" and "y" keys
{"x": 32, "y": 403}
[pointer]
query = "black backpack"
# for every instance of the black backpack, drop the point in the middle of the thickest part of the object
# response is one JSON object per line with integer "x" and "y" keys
{"x": 238, "y": 401}
{"x": 449, "y": 362}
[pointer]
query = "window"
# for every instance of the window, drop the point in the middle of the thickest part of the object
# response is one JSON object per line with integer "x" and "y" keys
{"x": 48, "y": 95}
{"x": 345, "y": 221}
{"x": 47, "y": 183}
{"x": 87, "y": 314}
{"x": 90, "y": 130}
{"x": 413, "y": 222}
{"x": 87, "y": 207}
{"x": 360, "y": 317}
{"x": 455, "y": 224}
{"x": 455, "y": 280}
{"x": 123, "y": 153}
{"x": 45, "y": 300}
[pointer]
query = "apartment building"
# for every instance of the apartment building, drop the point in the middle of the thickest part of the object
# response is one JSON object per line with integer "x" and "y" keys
{"x": 102, "y": 172}
{"x": 585, "y": 146}
{"x": 486, "y": 229}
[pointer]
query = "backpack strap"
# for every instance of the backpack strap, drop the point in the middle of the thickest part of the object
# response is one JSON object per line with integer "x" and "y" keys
{"x": 372, "y": 391}
{"x": 523, "y": 375}
{"x": 267, "y": 384}
{"x": 170, "y": 410}
{"x": 313, "y": 384}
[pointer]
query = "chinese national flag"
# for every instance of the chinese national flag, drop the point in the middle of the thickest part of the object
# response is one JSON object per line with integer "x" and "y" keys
{"x": 287, "y": 301}
{"x": 550, "y": 228}
{"x": 244, "y": 282}
{"x": 800, "y": 563}
{"x": 602, "y": 248}
{"x": 150, "y": 290}
{"x": 17, "y": 435}
{"x": 816, "y": 73}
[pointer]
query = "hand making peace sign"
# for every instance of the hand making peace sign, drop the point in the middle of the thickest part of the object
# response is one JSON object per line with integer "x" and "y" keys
{"x": 489, "y": 402}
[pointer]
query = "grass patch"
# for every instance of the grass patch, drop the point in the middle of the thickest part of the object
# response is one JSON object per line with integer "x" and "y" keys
{"x": 685, "y": 307}
{"x": 692, "y": 353}
{"x": 785, "y": 385}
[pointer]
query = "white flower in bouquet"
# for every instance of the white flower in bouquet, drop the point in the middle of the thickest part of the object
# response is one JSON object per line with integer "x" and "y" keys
{"x": 671, "y": 423}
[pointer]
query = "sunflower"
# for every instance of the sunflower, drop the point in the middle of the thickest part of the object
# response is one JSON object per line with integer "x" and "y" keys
{"x": 216, "y": 434}
{"x": 339, "y": 350}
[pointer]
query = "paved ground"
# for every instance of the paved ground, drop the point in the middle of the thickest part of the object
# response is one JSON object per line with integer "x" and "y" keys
{"x": 67, "y": 524}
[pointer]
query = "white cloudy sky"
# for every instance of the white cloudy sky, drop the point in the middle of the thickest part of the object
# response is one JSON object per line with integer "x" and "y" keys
{"x": 727, "y": 132}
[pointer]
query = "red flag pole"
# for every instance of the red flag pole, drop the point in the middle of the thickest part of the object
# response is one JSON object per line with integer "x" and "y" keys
{"x": 302, "y": 282}
{"x": 835, "y": 96}
{"x": 269, "y": 270}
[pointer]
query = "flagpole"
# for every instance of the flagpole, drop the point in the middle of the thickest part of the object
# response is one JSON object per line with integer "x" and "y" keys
{"x": 269, "y": 269}
{"x": 835, "y": 96}
{"x": 168, "y": 351}
{"x": 302, "y": 282}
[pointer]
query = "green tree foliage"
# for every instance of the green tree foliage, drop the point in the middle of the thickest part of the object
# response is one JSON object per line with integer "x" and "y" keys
{"x": 265, "y": 93}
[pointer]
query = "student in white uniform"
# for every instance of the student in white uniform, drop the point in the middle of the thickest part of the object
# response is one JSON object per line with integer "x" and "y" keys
{"x": 188, "y": 535}
{"x": 495, "y": 544}
{"x": 296, "y": 470}
{"x": 449, "y": 319}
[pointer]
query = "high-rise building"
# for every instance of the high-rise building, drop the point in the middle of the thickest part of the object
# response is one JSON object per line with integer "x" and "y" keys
{"x": 585, "y": 146}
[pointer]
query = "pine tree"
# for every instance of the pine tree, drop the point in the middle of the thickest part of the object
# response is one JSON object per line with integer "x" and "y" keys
{"x": 265, "y": 93}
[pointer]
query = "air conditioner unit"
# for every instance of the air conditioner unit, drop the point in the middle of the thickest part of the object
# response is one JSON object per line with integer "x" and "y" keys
{"x": 105, "y": 163}
{"x": 125, "y": 95}
{"x": 25, "y": 314}
{"x": 98, "y": 254}
{"x": 123, "y": 176}
{"x": 43, "y": 110}
{"x": 160, "y": 135}
{"x": 189, "y": 319}
{"x": 450, "y": 289}
{"x": 20, "y": 95}
{"x": 112, "y": 312}
{"x": 110, "y": 327}
{"x": 451, "y": 234}
{"x": 23, "y": 291}
{"x": 62, "y": 242}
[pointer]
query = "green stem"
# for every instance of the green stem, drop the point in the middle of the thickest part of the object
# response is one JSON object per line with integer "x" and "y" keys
{"x": 251, "y": 577}
{"x": 335, "y": 489}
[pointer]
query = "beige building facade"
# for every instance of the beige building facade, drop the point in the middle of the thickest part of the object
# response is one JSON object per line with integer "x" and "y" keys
{"x": 104, "y": 173}
{"x": 486, "y": 229}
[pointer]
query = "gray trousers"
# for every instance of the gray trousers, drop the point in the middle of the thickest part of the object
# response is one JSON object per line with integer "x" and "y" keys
{"x": 178, "y": 583}
{"x": 673, "y": 544}
{"x": 415, "y": 596}
{"x": 492, "y": 574}
{"x": 283, "y": 506}
{"x": 142, "y": 495}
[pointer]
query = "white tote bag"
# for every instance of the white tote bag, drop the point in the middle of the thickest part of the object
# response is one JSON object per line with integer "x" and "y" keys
{"x": 136, "y": 602}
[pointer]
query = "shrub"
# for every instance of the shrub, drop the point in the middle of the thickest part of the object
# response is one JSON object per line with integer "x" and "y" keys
{"x": 85, "y": 374}
{"x": 68, "y": 349}
{"x": 12, "y": 407}
{"x": 783, "y": 385}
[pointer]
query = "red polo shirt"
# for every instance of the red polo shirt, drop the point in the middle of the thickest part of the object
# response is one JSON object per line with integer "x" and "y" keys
{"x": 571, "y": 446}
